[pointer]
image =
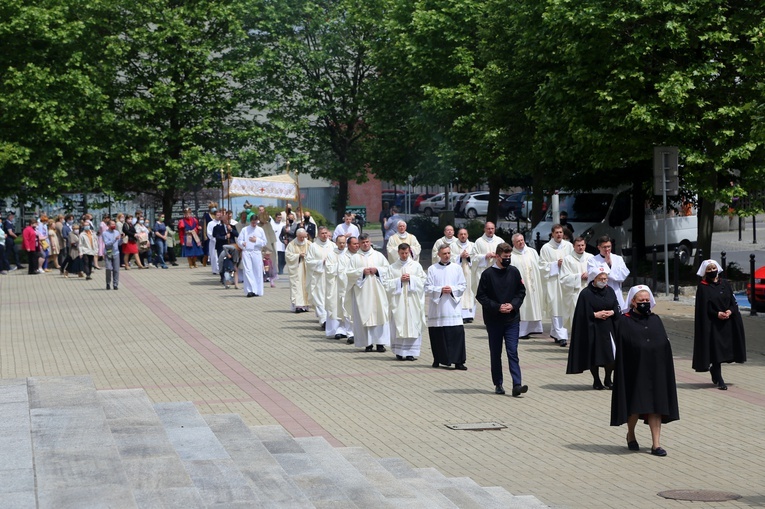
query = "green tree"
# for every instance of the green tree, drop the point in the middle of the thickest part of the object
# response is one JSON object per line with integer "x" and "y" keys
{"x": 625, "y": 77}
{"x": 316, "y": 83}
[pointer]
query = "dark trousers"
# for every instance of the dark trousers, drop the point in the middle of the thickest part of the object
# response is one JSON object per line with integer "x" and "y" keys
{"x": 33, "y": 257}
{"x": 10, "y": 252}
{"x": 87, "y": 261}
{"x": 281, "y": 260}
{"x": 4, "y": 265}
{"x": 506, "y": 333}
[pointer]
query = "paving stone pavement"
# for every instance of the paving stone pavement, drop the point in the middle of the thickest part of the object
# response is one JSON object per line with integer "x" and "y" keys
{"x": 181, "y": 337}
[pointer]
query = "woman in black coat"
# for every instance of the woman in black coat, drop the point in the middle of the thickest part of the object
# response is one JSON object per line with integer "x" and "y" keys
{"x": 718, "y": 329}
{"x": 593, "y": 328}
{"x": 644, "y": 375}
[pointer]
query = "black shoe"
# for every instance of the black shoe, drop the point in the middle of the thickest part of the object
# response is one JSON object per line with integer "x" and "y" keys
{"x": 349, "y": 341}
{"x": 460, "y": 367}
{"x": 342, "y": 336}
{"x": 721, "y": 385}
{"x": 323, "y": 326}
{"x": 338, "y": 336}
{"x": 520, "y": 389}
{"x": 609, "y": 384}
{"x": 250, "y": 294}
{"x": 527, "y": 336}
{"x": 563, "y": 343}
{"x": 108, "y": 287}
{"x": 399, "y": 357}
{"x": 659, "y": 451}
{"x": 499, "y": 390}
{"x": 435, "y": 364}
{"x": 555, "y": 339}
{"x": 88, "y": 278}
{"x": 115, "y": 287}
{"x": 174, "y": 264}
{"x": 598, "y": 386}
{"x": 632, "y": 445}
{"x": 410, "y": 358}
{"x": 369, "y": 348}
{"x": 381, "y": 348}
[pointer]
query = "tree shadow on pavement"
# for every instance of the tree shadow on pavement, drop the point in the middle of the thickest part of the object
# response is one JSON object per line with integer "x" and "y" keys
{"x": 600, "y": 448}
{"x": 569, "y": 387}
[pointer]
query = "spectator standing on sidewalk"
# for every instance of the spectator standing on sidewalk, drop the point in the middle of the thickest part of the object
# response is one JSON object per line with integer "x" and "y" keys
{"x": 31, "y": 244}
{"x": 112, "y": 239}
{"x": 11, "y": 253}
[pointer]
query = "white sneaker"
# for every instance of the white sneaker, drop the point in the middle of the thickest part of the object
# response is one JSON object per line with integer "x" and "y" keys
{"x": 40, "y": 271}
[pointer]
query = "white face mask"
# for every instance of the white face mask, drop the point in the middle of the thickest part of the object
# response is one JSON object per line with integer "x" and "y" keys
{"x": 601, "y": 284}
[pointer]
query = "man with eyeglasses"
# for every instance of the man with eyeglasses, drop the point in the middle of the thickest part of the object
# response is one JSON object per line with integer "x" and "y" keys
{"x": 615, "y": 263}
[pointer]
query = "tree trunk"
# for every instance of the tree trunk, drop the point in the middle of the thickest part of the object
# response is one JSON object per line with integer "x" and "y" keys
{"x": 537, "y": 198}
{"x": 168, "y": 200}
{"x": 495, "y": 184}
{"x": 640, "y": 174}
{"x": 342, "y": 199}
{"x": 706, "y": 219}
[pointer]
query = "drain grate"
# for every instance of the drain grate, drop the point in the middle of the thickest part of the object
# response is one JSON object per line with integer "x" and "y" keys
{"x": 476, "y": 426}
{"x": 700, "y": 495}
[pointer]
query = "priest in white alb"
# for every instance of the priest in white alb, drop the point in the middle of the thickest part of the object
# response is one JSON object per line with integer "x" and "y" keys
{"x": 406, "y": 286}
{"x": 367, "y": 273}
{"x": 573, "y": 278}
{"x": 484, "y": 253}
{"x": 294, "y": 255}
{"x": 346, "y": 228}
{"x": 400, "y": 237}
{"x": 213, "y": 256}
{"x": 526, "y": 260}
{"x": 461, "y": 251}
{"x": 352, "y": 247}
{"x": 446, "y": 240}
{"x": 251, "y": 240}
{"x": 618, "y": 269}
{"x": 550, "y": 261}
{"x": 316, "y": 259}
{"x": 444, "y": 287}
{"x": 335, "y": 267}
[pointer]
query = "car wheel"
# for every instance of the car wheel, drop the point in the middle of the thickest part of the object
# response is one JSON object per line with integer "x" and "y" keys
{"x": 510, "y": 216}
{"x": 428, "y": 211}
{"x": 472, "y": 214}
{"x": 685, "y": 252}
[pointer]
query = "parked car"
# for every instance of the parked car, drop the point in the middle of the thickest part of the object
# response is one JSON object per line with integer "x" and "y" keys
{"x": 477, "y": 204}
{"x": 396, "y": 198}
{"x": 436, "y": 203}
{"x": 419, "y": 198}
{"x": 758, "y": 299}
{"x": 515, "y": 206}
{"x": 459, "y": 203}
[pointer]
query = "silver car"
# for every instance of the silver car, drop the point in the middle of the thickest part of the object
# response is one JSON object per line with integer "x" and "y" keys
{"x": 436, "y": 204}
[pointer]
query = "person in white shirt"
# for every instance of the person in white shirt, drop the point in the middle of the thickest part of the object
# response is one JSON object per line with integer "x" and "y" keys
{"x": 526, "y": 260}
{"x": 550, "y": 261}
{"x": 484, "y": 253}
{"x": 618, "y": 269}
{"x": 252, "y": 239}
{"x": 212, "y": 253}
{"x": 444, "y": 287}
{"x": 573, "y": 278}
{"x": 277, "y": 224}
{"x": 316, "y": 260}
{"x": 369, "y": 302}
{"x": 346, "y": 228}
{"x": 406, "y": 285}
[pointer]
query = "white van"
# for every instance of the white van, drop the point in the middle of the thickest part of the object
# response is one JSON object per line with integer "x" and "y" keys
{"x": 608, "y": 212}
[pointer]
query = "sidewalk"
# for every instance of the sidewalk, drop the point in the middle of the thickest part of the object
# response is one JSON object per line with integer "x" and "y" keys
{"x": 180, "y": 336}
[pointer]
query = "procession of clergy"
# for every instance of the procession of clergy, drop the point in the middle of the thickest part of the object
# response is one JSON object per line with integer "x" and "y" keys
{"x": 375, "y": 301}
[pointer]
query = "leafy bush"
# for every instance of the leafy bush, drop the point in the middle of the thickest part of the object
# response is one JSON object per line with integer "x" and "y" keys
{"x": 424, "y": 229}
{"x": 474, "y": 228}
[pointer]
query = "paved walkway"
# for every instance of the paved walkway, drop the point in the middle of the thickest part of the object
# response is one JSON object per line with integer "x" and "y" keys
{"x": 180, "y": 336}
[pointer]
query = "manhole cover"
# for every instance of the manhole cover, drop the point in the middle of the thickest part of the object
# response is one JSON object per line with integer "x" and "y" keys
{"x": 699, "y": 495}
{"x": 477, "y": 426}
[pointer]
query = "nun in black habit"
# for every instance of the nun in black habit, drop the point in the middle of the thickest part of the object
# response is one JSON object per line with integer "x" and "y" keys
{"x": 593, "y": 328}
{"x": 718, "y": 329}
{"x": 644, "y": 375}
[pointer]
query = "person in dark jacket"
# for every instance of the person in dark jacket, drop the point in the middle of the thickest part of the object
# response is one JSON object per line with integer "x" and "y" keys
{"x": 644, "y": 378}
{"x": 718, "y": 329}
{"x": 593, "y": 328}
{"x": 500, "y": 293}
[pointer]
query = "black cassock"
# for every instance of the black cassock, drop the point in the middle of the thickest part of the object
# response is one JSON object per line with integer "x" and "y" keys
{"x": 715, "y": 340}
{"x": 591, "y": 337}
{"x": 644, "y": 375}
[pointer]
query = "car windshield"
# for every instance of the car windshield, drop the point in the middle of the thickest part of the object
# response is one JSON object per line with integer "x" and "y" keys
{"x": 585, "y": 207}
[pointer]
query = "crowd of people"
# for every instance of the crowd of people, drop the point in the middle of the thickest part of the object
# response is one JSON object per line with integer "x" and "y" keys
{"x": 385, "y": 299}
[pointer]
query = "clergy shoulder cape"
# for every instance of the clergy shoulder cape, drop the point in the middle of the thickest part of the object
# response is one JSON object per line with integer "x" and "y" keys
{"x": 527, "y": 263}
{"x": 368, "y": 292}
{"x": 481, "y": 248}
{"x": 616, "y": 277}
{"x": 396, "y": 239}
{"x": 297, "y": 272}
{"x": 440, "y": 242}
{"x": 571, "y": 283}
{"x": 444, "y": 310}
{"x": 406, "y": 298}
{"x": 550, "y": 274}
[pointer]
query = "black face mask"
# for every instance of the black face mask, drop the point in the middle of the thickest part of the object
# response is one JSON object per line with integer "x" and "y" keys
{"x": 644, "y": 308}
{"x": 711, "y": 276}
{"x": 505, "y": 262}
